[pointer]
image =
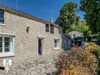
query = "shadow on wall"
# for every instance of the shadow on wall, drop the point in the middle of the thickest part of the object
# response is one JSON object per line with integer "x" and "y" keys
{"x": 66, "y": 42}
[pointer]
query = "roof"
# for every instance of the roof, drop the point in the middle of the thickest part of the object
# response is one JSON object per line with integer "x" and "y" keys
{"x": 74, "y": 32}
{"x": 20, "y": 13}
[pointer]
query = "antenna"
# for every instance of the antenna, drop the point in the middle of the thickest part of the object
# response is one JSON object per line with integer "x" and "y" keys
{"x": 17, "y": 4}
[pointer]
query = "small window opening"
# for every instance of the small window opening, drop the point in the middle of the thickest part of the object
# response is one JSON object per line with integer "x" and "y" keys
{"x": 47, "y": 28}
{"x": 27, "y": 29}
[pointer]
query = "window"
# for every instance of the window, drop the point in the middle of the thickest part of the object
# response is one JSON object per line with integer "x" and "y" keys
{"x": 51, "y": 28}
{"x": 0, "y": 44}
{"x": 59, "y": 31}
{"x": 6, "y": 45}
{"x": 56, "y": 43}
{"x": 47, "y": 28}
{"x": 74, "y": 35}
{"x": 1, "y": 16}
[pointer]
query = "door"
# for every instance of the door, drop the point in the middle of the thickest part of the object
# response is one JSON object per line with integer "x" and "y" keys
{"x": 66, "y": 44}
{"x": 40, "y": 46}
{"x": 69, "y": 44}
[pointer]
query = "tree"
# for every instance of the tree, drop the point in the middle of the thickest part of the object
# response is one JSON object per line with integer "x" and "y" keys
{"x": 67, "y": 16}
{"x": 92, "y": 16}
{"x": 81, "y": 27}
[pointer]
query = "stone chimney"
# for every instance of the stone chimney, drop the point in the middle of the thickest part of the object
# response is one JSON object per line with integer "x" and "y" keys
{"x": 51, "y": 20}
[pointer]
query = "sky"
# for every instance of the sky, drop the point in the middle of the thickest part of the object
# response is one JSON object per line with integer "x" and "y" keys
{"x": 44, "y": 9}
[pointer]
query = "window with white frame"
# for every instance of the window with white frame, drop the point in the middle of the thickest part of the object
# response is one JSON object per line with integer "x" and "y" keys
{"x": 56, "y": 43}
{"x": 6, "y": 45}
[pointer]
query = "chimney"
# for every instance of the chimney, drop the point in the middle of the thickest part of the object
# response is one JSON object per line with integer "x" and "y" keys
{"x": 51, "y": 20}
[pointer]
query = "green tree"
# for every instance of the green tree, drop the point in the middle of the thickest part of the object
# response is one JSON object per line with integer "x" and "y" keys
{"x": 67, "y": 16}
{"x": 98, "y": 38}
{"x": 81, "y": 27}
{"x": 92, "y": 16}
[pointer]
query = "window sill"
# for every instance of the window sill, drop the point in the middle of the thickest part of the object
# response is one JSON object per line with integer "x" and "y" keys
{"x": 6, "y": 55}
{"x": 1, "y": 24}
{"x": 56, "y": 48}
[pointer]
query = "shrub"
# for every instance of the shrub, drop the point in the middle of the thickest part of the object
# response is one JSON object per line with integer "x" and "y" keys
{"x": 76, "y": 62}
{"x": 93, "y": 48}
{"x": 75, "y": 70}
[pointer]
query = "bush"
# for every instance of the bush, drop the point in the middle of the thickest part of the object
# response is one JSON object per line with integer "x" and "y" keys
{"x": 76, "y": 62}
{"x": 93, "y": 48}
{"x": 75, "y": 70}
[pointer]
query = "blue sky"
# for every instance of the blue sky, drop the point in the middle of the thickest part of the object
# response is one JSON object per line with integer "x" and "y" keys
{"x": 44, "y": 9}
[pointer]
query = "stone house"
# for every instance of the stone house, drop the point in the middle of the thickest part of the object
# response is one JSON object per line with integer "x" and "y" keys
{"x": 24, "y": 36}
{"x": 75, "y": 34}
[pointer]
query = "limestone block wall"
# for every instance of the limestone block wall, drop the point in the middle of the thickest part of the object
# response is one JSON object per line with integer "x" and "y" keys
{"x": 26, "y": 43}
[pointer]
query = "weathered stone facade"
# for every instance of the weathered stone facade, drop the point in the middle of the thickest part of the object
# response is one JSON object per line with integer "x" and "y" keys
{"x": 26, "y": 44}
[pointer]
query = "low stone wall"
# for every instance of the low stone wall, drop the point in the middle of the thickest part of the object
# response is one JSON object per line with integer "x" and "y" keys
{"x": 42, "y": 65}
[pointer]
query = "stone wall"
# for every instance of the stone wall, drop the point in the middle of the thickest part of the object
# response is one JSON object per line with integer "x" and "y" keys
{"x": 43, "y": 65}
{"x": 26, "y": 44}
{"x": 26, "y": 60}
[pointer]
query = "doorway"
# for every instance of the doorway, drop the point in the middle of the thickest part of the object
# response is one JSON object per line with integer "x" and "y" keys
{"x": 66, "y": 44}
{"x": 40, "y": 46}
